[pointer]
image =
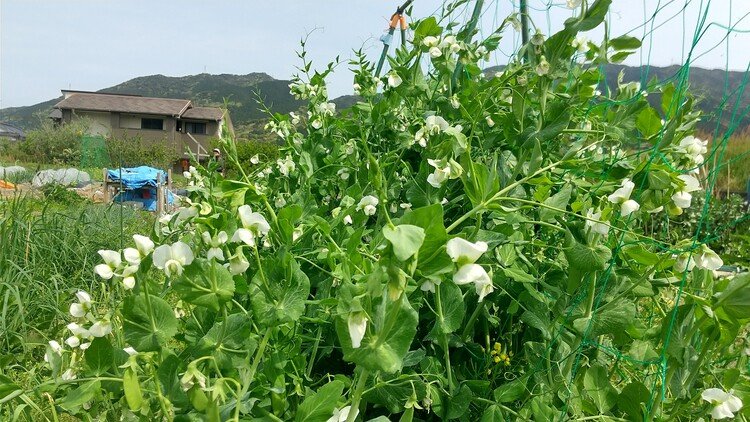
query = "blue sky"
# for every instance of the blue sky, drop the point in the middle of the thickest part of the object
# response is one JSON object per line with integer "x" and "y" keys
{"x": 48, "y": 45}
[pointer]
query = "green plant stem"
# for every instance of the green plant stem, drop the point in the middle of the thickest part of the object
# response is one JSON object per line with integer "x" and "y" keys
{"x": 590, "y": 296}
{"x": 472, "y": 319}
{"x": 446, "y": 351}
{"x": 358, "y": 389}
{"x": 162, "y": 400}
{"x": 259, "y": 355}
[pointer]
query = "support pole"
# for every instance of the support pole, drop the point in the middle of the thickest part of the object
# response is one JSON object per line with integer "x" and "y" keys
{"x": 524, "y": 12}
{"x": 105, "y": 179}
{"x": 470, "y": 27}
{"x": 396, "y": 19}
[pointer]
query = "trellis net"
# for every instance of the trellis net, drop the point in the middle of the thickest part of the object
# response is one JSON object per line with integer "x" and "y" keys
{"x": 699, "y": 35}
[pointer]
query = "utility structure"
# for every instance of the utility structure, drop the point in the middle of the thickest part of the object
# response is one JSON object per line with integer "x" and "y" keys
{"x": 397, "y": 19}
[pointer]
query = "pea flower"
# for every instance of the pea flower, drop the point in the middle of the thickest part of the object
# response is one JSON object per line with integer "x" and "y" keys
{"x": 143, "y": 244}
{"x": 435, "y": 124}
{"x": 357, "y": 323}
{"x": 471, "y": 273}
{"x": 444, "y": 170}
{"x": 542, "y": 68}
{"x": 572, "y": 4}
{"x": 253, "y": 221}
{"x": 172, "y": 258}
{"x": 68, "y": 375}
{"x": 628, "y": 207}
{"x": 623, "y": 193}
{"x": 192, "y": 376}
{"x": 694, "y": 148}
{"x": 394, "y": 80}
{"x": 83, "y": 306}
{"x": 489, "y": 121}
{"x": 215, "y": 242}
{"x": 130, "y": 351}
{"x": 464, "y": 252}
{"x": 238, "y": 264}
{"x": 348, "y": 219}
{"x": 684, "y": 262}
{"x": 54, "y": 348}
{"x": 725, "y": 404}
{"x": 580, "y": 43}
{"x": 286, "y": 165}
{"x": 430, "y": 41}
{"x": 538, "y": 38}
{"x": 100, "y": 328}
{"x": 484, "y": 287}
{"x": 112, "y": 262}
{"x": 73, "y": 341}
{"x": 368, "y": 204}
{"x": 454, "y": 102}
{"x": 341, "y": 415}
{"x": 708, "y": 259}
{"x": 682, "y": 197}
{"x": 594, "y": 223}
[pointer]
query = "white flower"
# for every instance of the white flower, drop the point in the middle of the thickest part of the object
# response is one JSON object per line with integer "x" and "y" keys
{"x": 73, "y": 341}
{"x": 82, "y": 307}
{"x": 191, "y": 376}
{"x": 68, "y": 375}
{"x": 215, "y": 242}
{"x": 428, "y": 286}
{"x": 435, "y": 124}
{"x": 295, "y": 120}
{"x": 394, "y": 80}
{"x": 341, "y": 415}
{"x": 347, "y": 219}
{"x": 343, "y": 173}
{"x": 280, "y": 202}
{"x": 132, "y": 256}
{"x": 128, "y": 282}
{"x": 143, "y": 244}
{"x": 655, "y": 210}
{"x": 238, "y": 264}
{"x": 435, "y": 52}
{"x": 708, "y": 259}
{"x": 357, "y": 323}
{"x": 286, "y": 165}
{"x": 489, "y": 121}
{"x": 368, "y": 204}
{"x": 484, "y": 287}
{"x": 100, "y": 328}
{"x": 253, "y": 221}
{"x": 542, "y": 68}
{"x": 623, "y": 193}
{"x": 572, "y": 4}
{"x": 406, "y": 206}
{"x": 682, "y": 199}
{"x": 471, "y": 273}
{"x": 628, "y": 207}
{"x": 725, "y": 404}
{"x": 454, "y": 102}
{"x": 691, "y": 183}
{"x": 430, "y": 41}
{"x": 693, "y": 146}
{"x": 55, "y": 349}
{"x": 130, "y": 351}
{"x": 597, "y": 226}
{"x": 444, "y": 170}
{"x": 172, "y": 258}
{"x": 78, "y": 330}
{"x": 112, "y": 261}
{"x": 538, "y": 38}
{"x": 254, "y": 159}
{"x": 684, "y": 262}
{"x": 580, "y": 43}
{"x": 245, "y": 236}
{"x": 463, "y": 252}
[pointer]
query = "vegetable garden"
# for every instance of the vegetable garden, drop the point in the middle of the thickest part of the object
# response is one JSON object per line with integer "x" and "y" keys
{"x": 454, "y": 246}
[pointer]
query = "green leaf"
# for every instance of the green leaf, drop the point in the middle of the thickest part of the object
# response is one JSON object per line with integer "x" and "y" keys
{"x": 458, "y": 405}
{"x": 205, "y": 283}
{"x": 133, "y": 394}
{"x": 615, "y": 319}
{"x": 648, "y": 122}
{"x": 430, "y": 218}
{"x": 585, "y": 258}
{"x": 493, "y": 413}
{"x": 389, "y": 335}
{"x": 734, "y": 300}
{"x": 640, "y": 255}
{"x": 320, "y": 406}
{"x": 625, "y": 42}
{"x": 230, "y": 342}
{"x": 405, "y": 239}
{"x": 594, "y": 16}
{"x": 519, "y": 275}
{"x": 285, "y": 302}
{"x": 427, "y": 27}
{"x": 8, "y": 389}
{"x": 144, "y": 331}
{"x": 598, "y": 387}
{"x": 99, "y": 356}
{"x": 453, "y": 308}
{"x": 81, "y": 395}
{"x": 559, "y": 200}
{"x": 632, "y": 398}
{"x": 510, "y": 391}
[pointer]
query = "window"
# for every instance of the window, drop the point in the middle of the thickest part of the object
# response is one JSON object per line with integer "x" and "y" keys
{"x": 194, "y": 127}
{"x": 155, "y": 124}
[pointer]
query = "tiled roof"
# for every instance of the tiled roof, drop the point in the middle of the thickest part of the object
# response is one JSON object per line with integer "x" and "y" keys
{"x": 206, "y": 113}
{"x": 123, "y": 104}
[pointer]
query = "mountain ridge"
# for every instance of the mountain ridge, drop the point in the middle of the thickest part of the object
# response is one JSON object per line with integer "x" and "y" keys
{"x": 241, "y": 93}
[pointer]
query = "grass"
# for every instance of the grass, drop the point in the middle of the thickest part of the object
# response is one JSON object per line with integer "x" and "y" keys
{"x": 733, "y": 170}
{"x": 48, "y": 252}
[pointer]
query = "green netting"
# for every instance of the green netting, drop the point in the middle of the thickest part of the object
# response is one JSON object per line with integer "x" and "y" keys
{"x": 725, "y": 120}
{"x": 94, "y": 151}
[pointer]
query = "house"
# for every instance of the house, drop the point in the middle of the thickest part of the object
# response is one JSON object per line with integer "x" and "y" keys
{"x": 11, "y": 132}
{"x": 176, "y": 121}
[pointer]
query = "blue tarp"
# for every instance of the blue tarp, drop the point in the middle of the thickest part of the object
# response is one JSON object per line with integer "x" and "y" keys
{"x": 137, "y": 177}
{"x": 140, "y": 185}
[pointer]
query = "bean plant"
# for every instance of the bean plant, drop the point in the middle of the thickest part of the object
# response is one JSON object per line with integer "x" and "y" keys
{"x": 454, "y": 246}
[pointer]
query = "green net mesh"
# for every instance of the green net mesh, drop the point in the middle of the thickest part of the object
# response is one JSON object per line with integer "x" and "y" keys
{"x": 94, "y": 151}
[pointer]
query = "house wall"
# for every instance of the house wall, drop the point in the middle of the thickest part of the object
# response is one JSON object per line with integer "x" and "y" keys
{"x": 100, "y": 123}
